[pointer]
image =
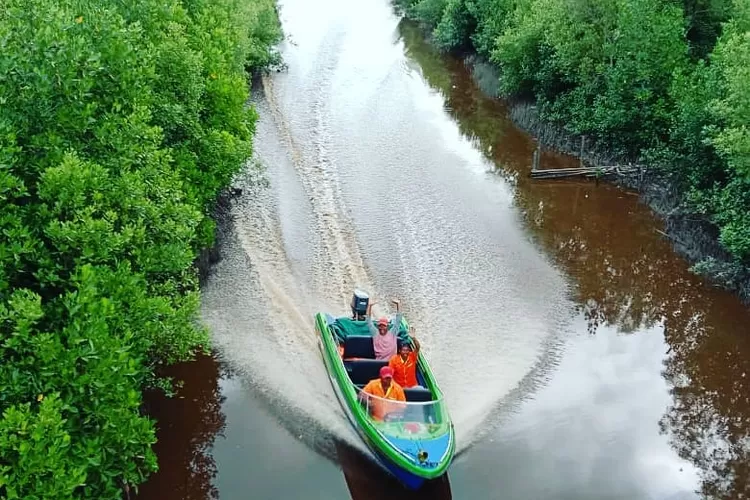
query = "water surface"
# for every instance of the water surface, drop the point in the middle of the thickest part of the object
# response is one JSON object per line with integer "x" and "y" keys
{"x": 579, "y": 357}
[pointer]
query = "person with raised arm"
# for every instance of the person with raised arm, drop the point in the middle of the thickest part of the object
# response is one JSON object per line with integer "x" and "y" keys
{"x": 384, "y": 339}
{"x": 404, "y": 364}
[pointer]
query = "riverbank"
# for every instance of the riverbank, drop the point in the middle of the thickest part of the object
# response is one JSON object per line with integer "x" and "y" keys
{"x": 673, "y": 108}
{"x": 692, "y": 235}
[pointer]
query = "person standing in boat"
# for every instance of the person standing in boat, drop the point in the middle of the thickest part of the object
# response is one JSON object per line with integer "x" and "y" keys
{"x": 384, "y": 339}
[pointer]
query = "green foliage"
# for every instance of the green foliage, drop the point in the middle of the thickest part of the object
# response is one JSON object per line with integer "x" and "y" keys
{"x": 692, "y": 90}
{"x": 600, "y": 67}
{"x": 37, "y": 443}
{"x": 732, "y": 105}
{"x": 523, "y": 55}
{"x": 704, "y": 20}
{"x": 429, "y": 12}
{"x": 119, "y": 124}
{"x": 95, "y": 363}
{"x": 664, "y": 81}
{"x": 731, "y": 137}
{"x": 491, "y": 18}
{"x": 455, "y": 26}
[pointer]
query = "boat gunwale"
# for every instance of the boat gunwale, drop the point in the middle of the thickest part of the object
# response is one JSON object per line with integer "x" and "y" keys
{"x": 363, "y": 425}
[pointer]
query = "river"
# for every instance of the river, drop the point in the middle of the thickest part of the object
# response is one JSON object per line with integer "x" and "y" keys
{"x": 579, "y": 356}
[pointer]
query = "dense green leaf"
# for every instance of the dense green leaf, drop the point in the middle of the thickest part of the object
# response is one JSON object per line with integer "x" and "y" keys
{"x": 120, "y": 121}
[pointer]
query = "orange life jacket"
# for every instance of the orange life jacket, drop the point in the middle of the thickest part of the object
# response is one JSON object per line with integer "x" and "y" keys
{"x": 404, "y": 371}
{"x": 378, "y": 407}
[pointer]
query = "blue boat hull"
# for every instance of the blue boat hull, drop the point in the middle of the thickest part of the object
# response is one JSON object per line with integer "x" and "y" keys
{"x": 406, "y": 478}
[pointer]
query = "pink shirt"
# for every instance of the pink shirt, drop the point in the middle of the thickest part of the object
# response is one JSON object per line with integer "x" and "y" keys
{"x": 385, "y": 346}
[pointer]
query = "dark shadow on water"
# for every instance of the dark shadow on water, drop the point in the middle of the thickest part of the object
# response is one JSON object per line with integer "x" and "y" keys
{"x": 367, "y": 481}
{"x": 187, "y": 426}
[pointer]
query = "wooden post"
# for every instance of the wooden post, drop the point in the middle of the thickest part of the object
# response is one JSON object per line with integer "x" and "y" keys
{"x": 640, "y": 181}
{"x": 535, "y": 160}
{"x": 583, "y": 145}
{"x": 596, "y": 164}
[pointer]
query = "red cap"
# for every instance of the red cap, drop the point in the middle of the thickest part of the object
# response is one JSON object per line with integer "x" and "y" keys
{"x": 386, "y": 371}
{"x": 383, "y": 322}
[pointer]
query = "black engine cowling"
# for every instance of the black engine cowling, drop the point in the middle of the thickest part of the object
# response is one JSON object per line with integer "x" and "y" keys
{"x": 360, "y": 300}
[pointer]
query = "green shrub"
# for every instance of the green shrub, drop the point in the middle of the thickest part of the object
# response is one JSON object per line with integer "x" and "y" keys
{"x": 730, "y": 136}
{"x": 119, "y": 124}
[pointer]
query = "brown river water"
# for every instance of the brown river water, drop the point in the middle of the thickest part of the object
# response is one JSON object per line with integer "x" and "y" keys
{"x": 579, "y": 357}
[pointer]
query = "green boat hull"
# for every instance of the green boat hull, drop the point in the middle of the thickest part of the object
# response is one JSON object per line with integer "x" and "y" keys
{"x": 412, "y": 456}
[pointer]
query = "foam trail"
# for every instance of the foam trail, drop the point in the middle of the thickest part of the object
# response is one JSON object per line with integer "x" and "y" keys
{"x": 372, "y": 185}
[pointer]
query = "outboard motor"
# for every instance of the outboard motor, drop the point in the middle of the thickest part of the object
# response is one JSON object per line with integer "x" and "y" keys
{"x": 360, "y": 300}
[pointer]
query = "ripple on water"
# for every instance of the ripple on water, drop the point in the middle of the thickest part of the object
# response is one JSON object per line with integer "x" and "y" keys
{"x": 389, "y": 196}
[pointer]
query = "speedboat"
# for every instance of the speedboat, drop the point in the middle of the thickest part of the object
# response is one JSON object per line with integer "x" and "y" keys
{"x": 414, "y": 440}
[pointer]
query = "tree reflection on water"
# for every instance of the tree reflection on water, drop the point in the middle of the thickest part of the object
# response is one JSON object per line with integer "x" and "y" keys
{"x": 624, "y": 275}
{"x": 709, "y": 422}
{"x": 187, "y": 426}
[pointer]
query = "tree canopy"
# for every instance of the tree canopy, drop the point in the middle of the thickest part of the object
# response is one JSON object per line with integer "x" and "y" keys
{"x": 120, "y": 122}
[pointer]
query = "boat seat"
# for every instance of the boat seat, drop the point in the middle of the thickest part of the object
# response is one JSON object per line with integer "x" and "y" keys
{"x": 359, "y": 346}
{"x": 362, "y": 371}
{"x": 417, "y": 394}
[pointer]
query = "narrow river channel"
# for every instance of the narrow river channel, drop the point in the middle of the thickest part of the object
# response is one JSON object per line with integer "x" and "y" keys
{"x": 579, "y": 356}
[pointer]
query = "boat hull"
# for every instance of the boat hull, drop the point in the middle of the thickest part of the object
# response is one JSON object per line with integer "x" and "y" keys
{"x": 411, "y": 481}
{"x": 396, "y": 458}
